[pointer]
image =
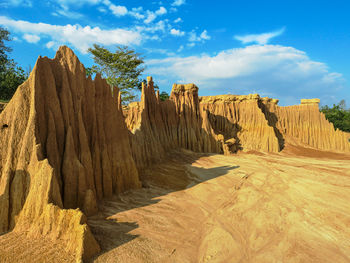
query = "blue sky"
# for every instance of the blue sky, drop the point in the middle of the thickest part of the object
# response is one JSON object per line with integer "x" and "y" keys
{"x": 282, "y": 49}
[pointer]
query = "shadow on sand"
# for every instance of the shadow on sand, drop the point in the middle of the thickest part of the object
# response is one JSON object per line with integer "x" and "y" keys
{"x": 159, "y": 180}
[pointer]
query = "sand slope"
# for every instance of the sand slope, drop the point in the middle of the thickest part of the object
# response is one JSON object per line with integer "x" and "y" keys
{"x": 241, "y": 208}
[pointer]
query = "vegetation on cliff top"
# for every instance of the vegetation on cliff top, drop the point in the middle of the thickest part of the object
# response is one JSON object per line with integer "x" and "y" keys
{"x": 338, "y": 115}
{"x": 123, "y": 69}
{"x": 11, "y": 75}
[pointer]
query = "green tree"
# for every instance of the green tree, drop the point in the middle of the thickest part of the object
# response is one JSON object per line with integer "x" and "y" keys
{"x": 155, "y": 86}
{"x": 11, "y": 75}
{"x": 122, "y": 68}
{"x": 4, "y": 36}
{"x": 338, "y": 115}
{"x": 163, "y": 96}
{"x": 10, "y": 80}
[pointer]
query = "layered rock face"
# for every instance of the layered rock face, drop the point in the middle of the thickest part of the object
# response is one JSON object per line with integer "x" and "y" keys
{"x": 242, "y": 123}
{"x": 250, "y": 122}
{"x": 64, "y": 144}
{"x": 157, "y": 126}
{"x": 305, "y": 124}
{"x": 224, "y": 124}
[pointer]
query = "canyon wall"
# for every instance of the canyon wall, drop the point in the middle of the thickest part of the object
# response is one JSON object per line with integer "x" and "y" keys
{"x": 64, "y": 145}
{"x": 157, "y": 126}
{"x": 240, "y": 120}
{"x": 67, "y": 142}
{"x": 255, "y": 123}
{"x": 305, "y": 125}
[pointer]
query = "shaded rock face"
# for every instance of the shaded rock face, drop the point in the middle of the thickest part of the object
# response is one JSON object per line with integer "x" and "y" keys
{"x": 254, "y": 123}
{"x": 64, "y": 144}
{"x": 241, "y": 122}
{"x": 304, "y": 124}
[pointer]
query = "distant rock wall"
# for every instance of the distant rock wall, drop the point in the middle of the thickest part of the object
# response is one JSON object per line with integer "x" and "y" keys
{"x": 157, "y": 126}
{"x": 224, "y": 124}
{"x": 305, "y": 124}
{"x": 240, "y": 120}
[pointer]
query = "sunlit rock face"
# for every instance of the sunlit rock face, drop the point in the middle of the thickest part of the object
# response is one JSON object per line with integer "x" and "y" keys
{"x": 64, "y": 145}
{"x": 305, "y": 125}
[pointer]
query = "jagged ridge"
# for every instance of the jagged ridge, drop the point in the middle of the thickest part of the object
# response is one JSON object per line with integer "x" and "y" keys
{"x": 64, "y": 145}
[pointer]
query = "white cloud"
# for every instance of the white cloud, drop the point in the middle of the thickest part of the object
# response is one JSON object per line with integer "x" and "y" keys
{"x": 261, "y": 39}
{"x": 76, "y": 35}
{"x": 157, "y": 27}
{"x": 64, "y": 11}
{"x": 63, "y": 8}
{"x": 161, "y": 11}
{"x": 178, "y": 2}
{"x": 136, "y": 12}
{"x": 50, "y": 44}
{"x": 150, "y": 17}
{"x": 160, "y": 51}
{"x": 118, "y": 10}
{"x": 194, "y": 38}
{"x": 178, "y": 20}
{"x": 177, "y": 32}
{"x": 16, "y": 3}
{"x": 271, "y": 70}
{"x": 78, "y": 2}
{"x": 204, "y": 35}
{"x": 102, "y": 10}
{"x": 192, "y": 44}
{"x": 180, "y": 48}
{"x": 31, "y": 38}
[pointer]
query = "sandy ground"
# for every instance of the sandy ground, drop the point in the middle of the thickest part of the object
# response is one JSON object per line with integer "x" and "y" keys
{"x": 241, "y": 208}
{"x": 252, "y": 207}
{"x": 17, "y": 248}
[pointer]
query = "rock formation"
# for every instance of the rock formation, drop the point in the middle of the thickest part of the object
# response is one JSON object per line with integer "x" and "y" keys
{"x": 157, "y": 126}
{"x": 64, "y": 145}
{"x": 304, "y": 124}
{"x": 242, "y": 123}
{"x": 254, "y": 123}
{"x": 66, "y": 142}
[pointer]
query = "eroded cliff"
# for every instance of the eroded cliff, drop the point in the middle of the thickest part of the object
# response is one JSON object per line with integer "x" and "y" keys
{"x": 242, "y": 123}
{"x": 304, "y": 124}
{"x": 157, "y": 126}
{"x": 64, "y": 145}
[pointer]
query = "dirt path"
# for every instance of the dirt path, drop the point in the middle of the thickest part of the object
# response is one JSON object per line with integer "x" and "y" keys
{"x": 243, "y": 208}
